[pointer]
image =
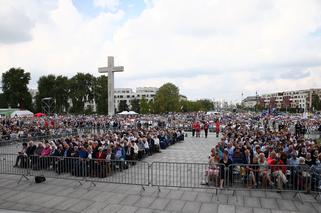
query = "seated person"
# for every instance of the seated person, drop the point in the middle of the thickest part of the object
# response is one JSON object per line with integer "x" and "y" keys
{"x": 21, "y": 155}
{"x": 278, "y": 169}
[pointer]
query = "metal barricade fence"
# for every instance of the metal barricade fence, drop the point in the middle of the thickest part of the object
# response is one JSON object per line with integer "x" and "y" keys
{"x": 8, "y": 165}
{"x": 186, "y": 175}
{"x": 316, "y": 182}
{"x": 269, "y": 178}
{"x": 79, "y": 169}
{"x": 166, "y": 174}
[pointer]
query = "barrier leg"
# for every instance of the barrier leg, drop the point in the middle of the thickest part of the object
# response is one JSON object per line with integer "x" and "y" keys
{"x": 298, "y": 195}
{"x": 142, "y": 190}
{"x": 22, "y": 176}
{"x": 92, "y": 184}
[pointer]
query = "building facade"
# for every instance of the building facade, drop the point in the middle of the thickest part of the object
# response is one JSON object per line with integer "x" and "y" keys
{"x": 127, "y": 94}
{"x": 249, "y": 102}
{"x": 298, "y": 99}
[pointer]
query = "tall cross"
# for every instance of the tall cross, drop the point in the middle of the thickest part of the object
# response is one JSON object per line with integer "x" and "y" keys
{"x": 110, "y": 69}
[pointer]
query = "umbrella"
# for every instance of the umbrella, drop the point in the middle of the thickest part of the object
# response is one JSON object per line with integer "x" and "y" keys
{"x": 39, "y": 114}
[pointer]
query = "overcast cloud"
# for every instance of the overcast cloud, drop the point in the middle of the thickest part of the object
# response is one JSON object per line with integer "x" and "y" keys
{"x": 209, "y": 48}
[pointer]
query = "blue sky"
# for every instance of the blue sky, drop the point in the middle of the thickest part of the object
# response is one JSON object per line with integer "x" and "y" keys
{"x": 215, "y": 49}
{"x": 132, "y": 8}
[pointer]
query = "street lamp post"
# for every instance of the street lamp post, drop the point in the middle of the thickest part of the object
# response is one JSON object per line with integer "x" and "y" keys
{"x": 256, "y": 98}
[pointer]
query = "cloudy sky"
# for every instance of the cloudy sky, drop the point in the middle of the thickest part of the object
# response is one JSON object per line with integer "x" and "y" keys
{"x": 209, "y": 48}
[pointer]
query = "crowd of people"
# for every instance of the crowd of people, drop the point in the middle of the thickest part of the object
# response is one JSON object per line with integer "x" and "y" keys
{"x": 28, "y": 127}
{"x": 96, "y": 154}
{"x": 265, "y": 152}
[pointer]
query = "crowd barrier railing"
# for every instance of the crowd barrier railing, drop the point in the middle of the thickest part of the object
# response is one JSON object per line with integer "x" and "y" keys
{"x": 7, "y": 166}
{"x": 297, "y": 179}
{"x": 186, "y": 175}
{"x": 78, "y": 169}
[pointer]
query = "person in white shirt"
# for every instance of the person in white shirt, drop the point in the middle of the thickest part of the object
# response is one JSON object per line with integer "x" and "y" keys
{"x": 156, "y": 143}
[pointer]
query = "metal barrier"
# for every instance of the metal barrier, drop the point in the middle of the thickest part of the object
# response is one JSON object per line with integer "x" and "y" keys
{"x": 186, "y": 175}
{"x": 8, "y": 166}
{"x": 166, "y": 174}
{"x": 79, "y": 169}
{"x": 316, "y": 182}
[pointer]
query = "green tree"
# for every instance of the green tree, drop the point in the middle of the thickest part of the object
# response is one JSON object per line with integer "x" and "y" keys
{"x": 122, "y": 106}
{"x": 81, "y": 91}
{"x": 205, "y": 105}
{"x": 46, "y": 88}
{"x": 62, "y": 94}
{"x": 135, "y": 105}
{"x": 55, "y": 87}
{"x": 316, "y": 103}
{"x": 167, "y": 99}
{"x": 144, "y": 106}
{"x": 101, "y": 95}
{"x": 15, "y": 88}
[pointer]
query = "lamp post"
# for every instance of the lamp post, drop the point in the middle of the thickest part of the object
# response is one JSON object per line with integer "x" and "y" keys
{"x": 256, "y": 97}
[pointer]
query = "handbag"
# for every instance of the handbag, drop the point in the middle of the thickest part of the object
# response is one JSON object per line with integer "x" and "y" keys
{"x": 40, "y": 179}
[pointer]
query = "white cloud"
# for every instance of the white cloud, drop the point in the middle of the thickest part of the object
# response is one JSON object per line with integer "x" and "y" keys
{"x": 209, "y": 48}
{"x": 107, "y": 4}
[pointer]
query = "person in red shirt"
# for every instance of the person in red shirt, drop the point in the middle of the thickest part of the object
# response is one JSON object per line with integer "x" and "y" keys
{"x": 278, "y": 169}
{"x": 217, "y": 127}
{"x": 198, "y": 129}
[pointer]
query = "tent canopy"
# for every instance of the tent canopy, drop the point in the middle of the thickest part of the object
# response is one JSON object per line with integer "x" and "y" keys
{"x": 21, "y": 113}
{"x": 127, "y": 113}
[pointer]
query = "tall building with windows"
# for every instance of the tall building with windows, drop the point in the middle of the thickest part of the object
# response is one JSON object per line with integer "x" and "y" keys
{"x": 127, "y": 94}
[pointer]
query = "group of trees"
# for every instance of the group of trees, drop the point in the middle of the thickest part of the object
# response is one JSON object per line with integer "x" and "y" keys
{"x": 71, "y": 94}
{"x": 15, "y": 91}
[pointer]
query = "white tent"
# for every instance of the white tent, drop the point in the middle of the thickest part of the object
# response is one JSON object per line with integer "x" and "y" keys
{"x": 21, "y": 113}
{"x": 123, "y": 113}
{"x": 127, "y": 113}
{"x": 132, "y": 113}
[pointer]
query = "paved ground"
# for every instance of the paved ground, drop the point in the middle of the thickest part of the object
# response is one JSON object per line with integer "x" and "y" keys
{"x": 56, "y": 195}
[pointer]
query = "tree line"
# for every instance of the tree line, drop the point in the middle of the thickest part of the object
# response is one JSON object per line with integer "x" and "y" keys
{"x": 71, "y": 94}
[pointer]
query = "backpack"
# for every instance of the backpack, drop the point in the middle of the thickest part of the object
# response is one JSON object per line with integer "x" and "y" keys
{"x": 40, "y": 179}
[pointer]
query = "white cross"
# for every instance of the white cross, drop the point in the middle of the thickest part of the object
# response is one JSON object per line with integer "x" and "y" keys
{"x": 110, "y": 69}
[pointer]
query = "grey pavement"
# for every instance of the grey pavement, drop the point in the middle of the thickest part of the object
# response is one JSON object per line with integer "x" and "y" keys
{"x": 59, "y": 195}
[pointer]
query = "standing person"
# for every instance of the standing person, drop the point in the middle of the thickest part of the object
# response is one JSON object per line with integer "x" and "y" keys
{"x": 193, "y": 128}
{"x": 198, "y": 129}
{"x": 217, "y": 127}
{"x": 206, "y": 128}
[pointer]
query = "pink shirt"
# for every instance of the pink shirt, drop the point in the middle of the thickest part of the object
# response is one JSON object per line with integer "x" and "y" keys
{"x": 46, "y": 151}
